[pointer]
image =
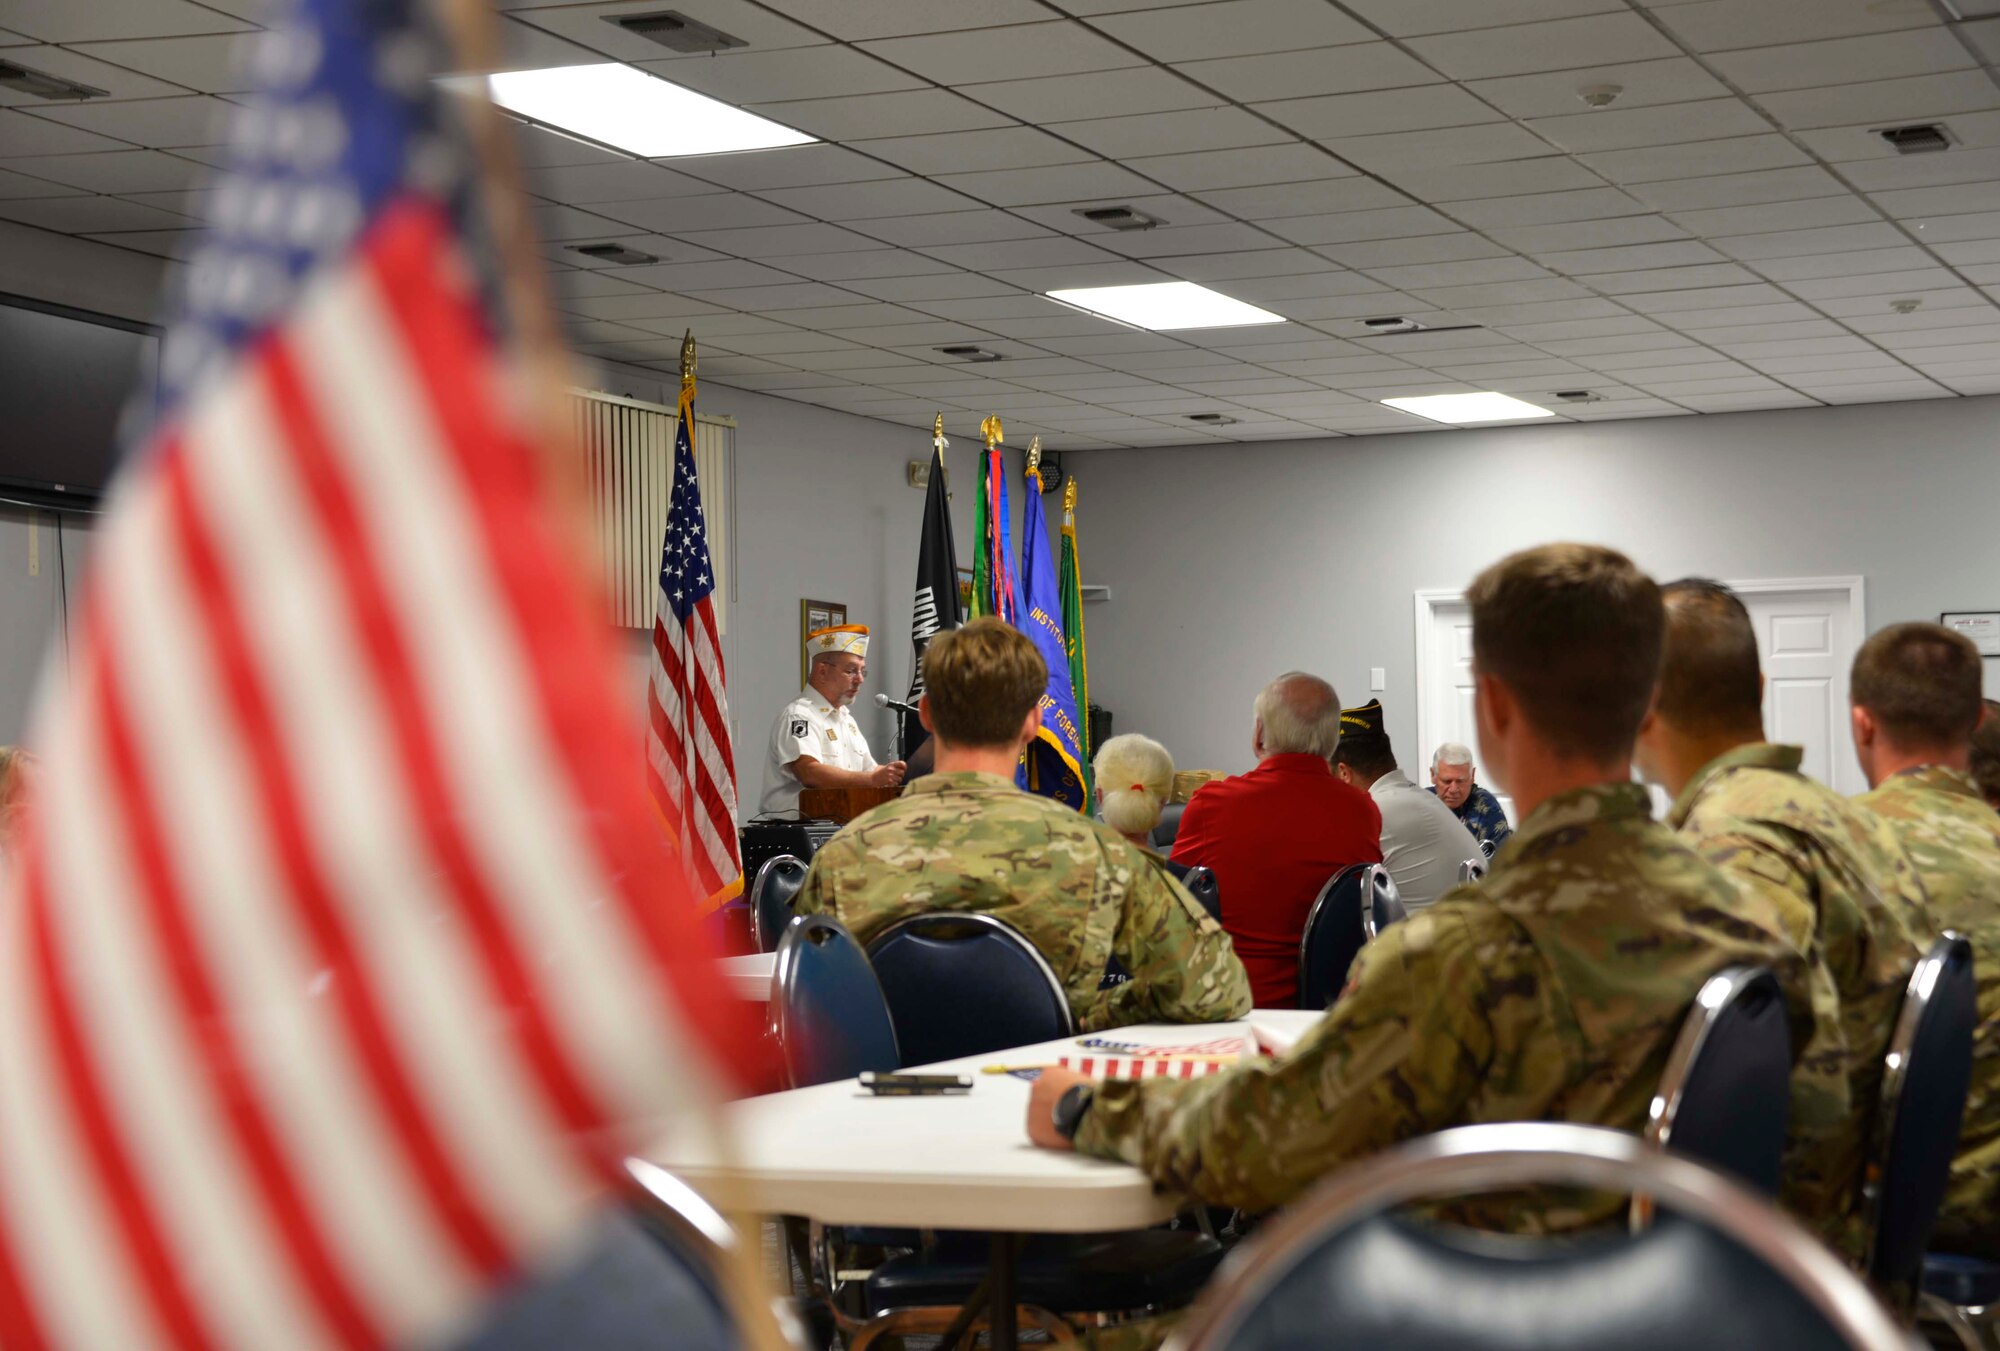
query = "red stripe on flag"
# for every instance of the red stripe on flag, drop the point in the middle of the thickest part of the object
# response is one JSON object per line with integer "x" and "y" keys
{"x": 454, "y": 1204}
{"x": 207, "y": 1024}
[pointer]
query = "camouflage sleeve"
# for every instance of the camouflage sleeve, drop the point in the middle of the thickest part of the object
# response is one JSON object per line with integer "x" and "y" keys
{"x": 1184, "y": 967}
{"x": 1397, "y": 1056}
{"x": 1769, "y": 880}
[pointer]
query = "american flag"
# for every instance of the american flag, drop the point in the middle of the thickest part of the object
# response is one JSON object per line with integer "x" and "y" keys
{"x": 693, "y": 773}
{"x": 339, "y": 960}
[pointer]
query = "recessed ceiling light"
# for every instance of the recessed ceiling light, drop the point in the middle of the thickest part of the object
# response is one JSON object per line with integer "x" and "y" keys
{"x": 1486, "y": 407}
{"x": 1165, "y": 305}
{"x": 635, "y": 112}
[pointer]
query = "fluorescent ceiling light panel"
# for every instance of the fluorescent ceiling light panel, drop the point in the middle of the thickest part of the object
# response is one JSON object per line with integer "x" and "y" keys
{"x": 1167, "y": 304}
{"x": 1469, "y": 407}
{"x": 636, "y": 112}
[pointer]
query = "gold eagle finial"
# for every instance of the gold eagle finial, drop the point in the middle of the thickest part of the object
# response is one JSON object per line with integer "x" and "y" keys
{"x": 992, "y": 431}
{"x": 1035, "y": 455}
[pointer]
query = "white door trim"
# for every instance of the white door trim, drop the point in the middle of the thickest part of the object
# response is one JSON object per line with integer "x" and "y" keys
{"x": 1430, "y": 599}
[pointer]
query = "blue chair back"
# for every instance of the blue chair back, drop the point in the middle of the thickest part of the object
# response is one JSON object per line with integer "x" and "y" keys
{"x": 827, "y": 1008}
{"x": 1926, "y": 1072}
{"x": 1356, "y": 903}
{"x": 1724, "y": 1270}
{"x": 964, "y": 983}
{"x": 1169, "y": 828}
{"x": 1201, "y": 885}
{"x": 1722, "y": 1098}
{"x": 772, "y": 892}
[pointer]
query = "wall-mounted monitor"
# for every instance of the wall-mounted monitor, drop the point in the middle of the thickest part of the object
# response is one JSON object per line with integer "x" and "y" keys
{"x": 66, "y": 378}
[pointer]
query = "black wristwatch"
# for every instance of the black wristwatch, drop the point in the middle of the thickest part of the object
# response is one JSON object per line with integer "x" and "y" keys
{"x": 1070, "y": 1108}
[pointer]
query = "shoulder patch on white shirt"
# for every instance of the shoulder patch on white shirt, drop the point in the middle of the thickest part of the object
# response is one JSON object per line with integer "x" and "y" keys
{"x": 799, "y": 727}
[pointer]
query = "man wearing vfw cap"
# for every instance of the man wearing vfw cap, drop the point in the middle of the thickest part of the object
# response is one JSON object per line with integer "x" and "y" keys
{"x": 815, "y": 743}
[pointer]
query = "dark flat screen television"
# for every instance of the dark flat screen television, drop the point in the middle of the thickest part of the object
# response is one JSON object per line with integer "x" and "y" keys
{"x": 66, "y": 378}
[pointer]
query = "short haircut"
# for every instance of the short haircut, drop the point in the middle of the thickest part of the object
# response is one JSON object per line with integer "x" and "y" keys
{"x": 1574, "y": 631}
{"x": 1986, "y": 753}
{"x": 1136, "y": 776}
{"x": 1921, "y": 683}
{"x": 982, "y": 681}
{"x": 1451, "y": 753}
{"x": 1366, "y": 753}
{"x": 1710, "y": 678}
{"x": 1301, "y": 715}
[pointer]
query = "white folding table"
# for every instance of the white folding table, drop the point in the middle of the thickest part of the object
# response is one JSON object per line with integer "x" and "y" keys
{"x": 749, "y": 976}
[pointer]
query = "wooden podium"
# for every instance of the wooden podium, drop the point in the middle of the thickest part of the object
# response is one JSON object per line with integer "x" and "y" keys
{"x": 842, "y": 804}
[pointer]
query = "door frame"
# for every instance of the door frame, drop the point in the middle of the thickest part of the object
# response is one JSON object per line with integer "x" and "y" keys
{"x": 1429, "y": 600}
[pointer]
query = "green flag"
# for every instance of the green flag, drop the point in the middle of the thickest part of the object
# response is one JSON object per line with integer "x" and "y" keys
{"x": 1071, "y": 586}
{"x": 982, "y": 529}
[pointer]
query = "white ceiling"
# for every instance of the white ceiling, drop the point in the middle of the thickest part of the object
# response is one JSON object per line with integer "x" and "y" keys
{"x": 1727, "y": 235}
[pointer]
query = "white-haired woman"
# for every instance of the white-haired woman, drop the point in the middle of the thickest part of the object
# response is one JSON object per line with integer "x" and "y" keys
{"x": 1135, "y": 780}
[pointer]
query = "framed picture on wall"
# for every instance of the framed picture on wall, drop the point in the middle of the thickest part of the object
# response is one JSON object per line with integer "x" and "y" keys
{"x": 965, "y": 591}
{"x": 1981, "y": 626}
{"x": 815, "y": 615}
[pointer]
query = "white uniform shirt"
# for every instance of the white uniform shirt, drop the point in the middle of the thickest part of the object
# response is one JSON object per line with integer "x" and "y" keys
{"x": 809, "y": 725}
{"x": 1423, "y": 842}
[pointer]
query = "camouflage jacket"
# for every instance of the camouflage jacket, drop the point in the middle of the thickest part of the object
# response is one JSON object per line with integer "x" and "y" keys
{"x": 1080, "y": 891}
{"x": 1480, "y": 813}
{"x": 1954, "y": 838}
{"x": 1551, "y": 992}
{"x": 1834, "y": 883}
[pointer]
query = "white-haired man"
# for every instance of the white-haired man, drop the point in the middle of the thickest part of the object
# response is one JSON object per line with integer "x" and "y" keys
{"x": 1478, "y": 810}
{"x": 815, "y": 742}
{"x": 1273, "y": 836}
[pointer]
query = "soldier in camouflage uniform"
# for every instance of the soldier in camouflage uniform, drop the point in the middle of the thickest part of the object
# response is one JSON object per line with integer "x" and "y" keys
{"x": 1916, "y": 702}
{"x": 1551, "y": 992}
{"x": 1810, "y": 867}
{"x": 966, "y": 839}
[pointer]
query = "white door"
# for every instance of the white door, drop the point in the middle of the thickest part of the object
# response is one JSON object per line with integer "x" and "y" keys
{"x": 1444, "y": 674}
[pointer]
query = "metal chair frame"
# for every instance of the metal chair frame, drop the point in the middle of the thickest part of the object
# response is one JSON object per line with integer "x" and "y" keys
{"x": 992, "y": 924}
{"x": 1375, "y": 881}
{"x": 1191, "y": 879}
{"x": 1472, "y": 870}
{"x": 1503, "y": 1156}
{"x": 768, "y": 942}
{"x": 1976, "y": 1326}
{"x": 697, "y": 1231}
{"x": 785, "y": 978}
{"x": 1719, "y": 992}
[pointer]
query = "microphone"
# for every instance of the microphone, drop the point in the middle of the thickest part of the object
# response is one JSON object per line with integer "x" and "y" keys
{"x": 884, "y": 701}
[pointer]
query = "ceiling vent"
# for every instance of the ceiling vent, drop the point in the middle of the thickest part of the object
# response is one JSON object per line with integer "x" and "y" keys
{"x": 1924, "y": 138}
{"x": 45, "y": 86}
{"x": 1212, "y": 419}
{"x": 1395, "y": 326}
{"x": 1577, "y": 396}
{"x": 1118, "y": 217}
{"x": 967, "y": 352}
{"x": 613, "y": 253}
{"x": 676, "y": 31}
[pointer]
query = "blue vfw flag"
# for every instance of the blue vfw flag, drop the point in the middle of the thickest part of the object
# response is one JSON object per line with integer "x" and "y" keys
{"x": 1053, "y": 764}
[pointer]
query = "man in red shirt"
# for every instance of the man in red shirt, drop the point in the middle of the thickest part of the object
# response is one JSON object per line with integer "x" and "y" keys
{"x": 1274, "y": 836}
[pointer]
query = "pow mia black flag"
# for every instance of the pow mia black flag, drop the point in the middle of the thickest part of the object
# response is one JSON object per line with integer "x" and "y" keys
{"x": 937, "y": 582}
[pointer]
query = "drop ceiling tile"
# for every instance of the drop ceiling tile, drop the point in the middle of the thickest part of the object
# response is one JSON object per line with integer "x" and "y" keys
{"x": 1975, "y": 132}
{"x": 955, "y": 227}
{"x": 1349, "y": 226}
{"x": 1559, "y": 44}
{"x": 882, "y": 115}
{"x": 114, "y": 172}
{"x": 1515, "y": 178}
{"x": 524, "y": 47}
{"x": 663, "y": 250}
{"x": 869, "y": 201}
{"x": 707, "y": 274}
{"x": 590, "y": 25}
{"x": 715, "y": 211}
{"x": 1856, "y": 310}
{"x": 1545, "y": 289}
{"x": 1673, "y": 254}
{"x": 852, "y": 266}
{"x": 1643, "y": 84}
{"x": 156, "y": 123}
{"x": 621, "y": 181}
{"x": 1910, "y": 344}
{"x": 1756, "y": 294}
{"x": 1885, "y": 320}
{"x": 1633, "y": 128}
{"x": 1741, "y": 336}
{"x": 1247, "y": 264}
{"x": 1328, "y": 281}
{"x": 1233, "y": 28}
{"x": 776, "y": 241}
{"x": 1725, "y": 190}
{"x": 1673, "y": 278}
{"x": 1494, "y": 374}
{"x": 542, "y": 149}
{"x": 25, "y": 134}
{"x": 1449, "y": 147}
{"x": 1346, "y": 115}
{"x": 1798, "y": 347}
{"x": 1729, "y": 384}
{"x": 1893, "y": 392}
{"x": 1906, "y": 100}
{"x": 179, "y": 244}
{"x": 1426, "y": 276}
{"x": 1726, "y": 25}
{"x": 1305, "y": 73}
{"x": 1169, "y": 133}
{"x": 1542, "y": 312}
{"x": 1209, "y": 171}
{"x": 946, "y": 287}
{"x": 90, "y": 20}
{"x": 1562, "y": 329}
{"x": 1051, "y": 251}
{"x": 1442, "y": 248}
{"x": 1811, "y": 65}
{"x": 1652, "y": 364}
{"x": 1123, "y": 272}
{"x": 1940, "y": 201}
{"x": 1857, "y": 263}
{"x": 89, "y": 215}
{"x": 1954, "y": 229}
{"x": 119, "y": 81}
{"x": 1412, "y": 18}
{"x": 1071, "y": 98}
{"x": 1015, "y": 51}
{"x": 1587, "y": 234}
{"x": 1101, "y": 181}
{"x": 794, "y": 73}
{"x": 1167, "y": 208}
{"x": 1769, "y": 217}
{"x": 1697, "y": 159}
{"x": 1174, "y": 241}
{"x": 1328, "y": 196}
{"x": 1590, "y": 349}
{"x": 212, "y": 64}
{"x": 646, "y": 312}
{"x": 791, "y": 296}
{"x": 1907, "y": 281}
{"x": 19, "y": 185}
{"x": 974, "y": 151}
{"x": 1546, "y": 208}
{"x": 796, "y": 166}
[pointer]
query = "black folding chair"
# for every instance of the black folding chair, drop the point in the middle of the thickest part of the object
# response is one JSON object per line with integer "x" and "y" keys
{"x": 827, "y": 1009}
{"x": 1201, "y": 884}
{"x": 1722, "y": 1099}
{"x": 1169, "y": 828}
{"x": 961, "y": 983}
{"x": 1356, "y": 903}
{"x": 1925, "y": 1075}
{"x": 1472, "y": 870}
{"x": 1344, "y": 1267}
{"x": 772, "y": 892}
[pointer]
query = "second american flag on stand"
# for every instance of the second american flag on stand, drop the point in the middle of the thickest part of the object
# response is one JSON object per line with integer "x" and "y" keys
{"x": 340, "y": 959}
{"x": 692, "y": 773}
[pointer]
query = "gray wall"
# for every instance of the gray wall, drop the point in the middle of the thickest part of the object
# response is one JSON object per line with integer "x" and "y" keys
{"x": 1230, "y": 565}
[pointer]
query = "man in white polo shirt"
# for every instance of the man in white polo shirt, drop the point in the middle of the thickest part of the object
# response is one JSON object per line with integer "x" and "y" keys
{"x": 1423, "y": 844}
{"x": 815, "y": 742}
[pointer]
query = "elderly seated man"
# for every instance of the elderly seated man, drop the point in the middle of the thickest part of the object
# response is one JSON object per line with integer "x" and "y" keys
{"x": 1478, "y": 810}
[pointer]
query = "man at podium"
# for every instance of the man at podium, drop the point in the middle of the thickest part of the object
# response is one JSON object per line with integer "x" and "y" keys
{"x": 815, "y": 742}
